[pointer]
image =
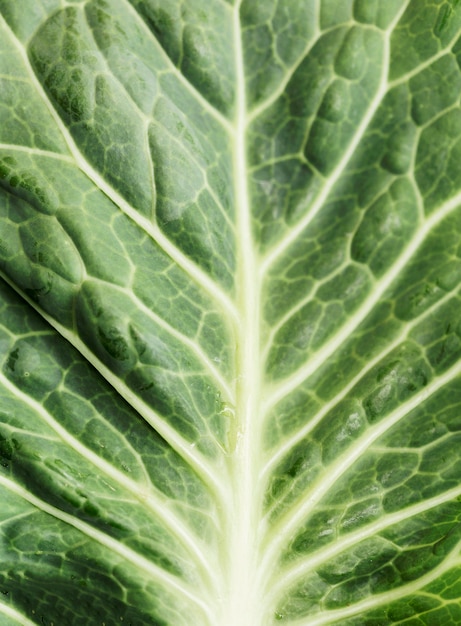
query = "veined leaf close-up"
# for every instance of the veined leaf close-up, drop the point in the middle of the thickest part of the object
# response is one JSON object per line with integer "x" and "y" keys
{"x": 230, "y": 312}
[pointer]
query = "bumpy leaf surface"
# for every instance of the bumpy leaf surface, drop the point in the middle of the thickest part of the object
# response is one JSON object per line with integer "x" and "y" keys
{"x": 230, "y": 337}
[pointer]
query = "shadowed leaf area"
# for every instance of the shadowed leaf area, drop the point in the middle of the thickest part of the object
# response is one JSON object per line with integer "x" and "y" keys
{"x": 230, "y": 304}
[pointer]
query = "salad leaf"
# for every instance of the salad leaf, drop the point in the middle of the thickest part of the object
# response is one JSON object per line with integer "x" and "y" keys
{"x": 230, "y": 336}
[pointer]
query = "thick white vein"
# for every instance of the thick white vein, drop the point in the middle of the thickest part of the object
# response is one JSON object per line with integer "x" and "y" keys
{"x": 244, "y": 513}
{"x": 162, "y": 577}
{"x": 249, "y": 583}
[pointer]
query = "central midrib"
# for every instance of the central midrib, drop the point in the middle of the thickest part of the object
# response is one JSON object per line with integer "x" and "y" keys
{"x": 241, "y": 604}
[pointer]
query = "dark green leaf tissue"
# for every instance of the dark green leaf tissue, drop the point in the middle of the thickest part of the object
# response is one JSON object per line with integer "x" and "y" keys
{"x": 230, "y": 312}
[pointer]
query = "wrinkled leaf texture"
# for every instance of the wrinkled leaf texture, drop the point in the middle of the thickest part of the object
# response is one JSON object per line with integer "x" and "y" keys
{"x": 230, "y": 332}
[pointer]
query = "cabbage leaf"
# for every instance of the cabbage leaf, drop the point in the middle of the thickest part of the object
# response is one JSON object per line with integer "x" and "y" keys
{"x": 230, "y": 330}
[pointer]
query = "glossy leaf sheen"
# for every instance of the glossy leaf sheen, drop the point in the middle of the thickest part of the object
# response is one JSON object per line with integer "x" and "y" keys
{"x": 230, "y": 377}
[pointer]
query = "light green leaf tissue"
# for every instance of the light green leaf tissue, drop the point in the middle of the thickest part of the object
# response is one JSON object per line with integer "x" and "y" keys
{"x": 230, "y": 312}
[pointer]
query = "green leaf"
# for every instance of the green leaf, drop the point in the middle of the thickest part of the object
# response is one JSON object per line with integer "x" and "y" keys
{"x": 230, "y": 347}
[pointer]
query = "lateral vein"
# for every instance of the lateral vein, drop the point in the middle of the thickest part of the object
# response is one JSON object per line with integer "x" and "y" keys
{"x": 333, "y": 178}
{"x": 188, "y": 266}
{"x": 290, "y": 575}
{"x": 140, "y": 562}
{"x": 386, "y": 598}
{"x": 218, "y": 116}
{"x": 37, "y": 151}
{"x": 149, "y": 498}
{"x": 9, "y": 611}
{"x": 171, "y": 436}
{"x": 331, "y": 346}
{"x": 317, "y": 418}
{"x": 301, "y": 509}
{"x": 195, "y": 347}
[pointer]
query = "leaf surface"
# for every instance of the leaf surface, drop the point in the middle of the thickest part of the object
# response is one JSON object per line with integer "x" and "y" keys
{"x": 229, "y": 323}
